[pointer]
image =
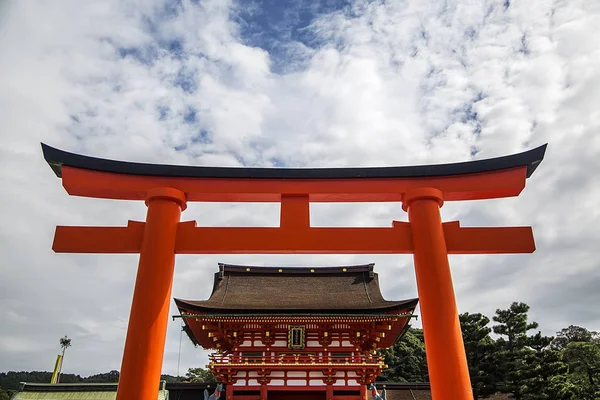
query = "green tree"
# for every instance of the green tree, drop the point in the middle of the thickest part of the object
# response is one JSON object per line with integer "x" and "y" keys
{"x": 11, "y": 380}
{"x": 4, "y": 395}
{"x": 584, "y": 360}
{"x": 200, "y": 375}
{"x": 406, "y": 359}
{"x": 571, "y": 334}
{"x": 171, "y": 378}
{"x": 109, "y": 377}
{"x": 512, "y": 326}
{"x": 544, "y": 374}
{"x": 479, "y": 347}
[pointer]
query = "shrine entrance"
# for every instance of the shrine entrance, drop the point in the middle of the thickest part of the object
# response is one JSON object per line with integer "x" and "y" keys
{"x": 270, "y": 337}
{"x": 297, "y": 395}
{"x": 166, "y": 190}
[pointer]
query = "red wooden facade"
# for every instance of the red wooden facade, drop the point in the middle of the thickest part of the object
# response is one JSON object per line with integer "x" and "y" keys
{"x": 296, "y": 332}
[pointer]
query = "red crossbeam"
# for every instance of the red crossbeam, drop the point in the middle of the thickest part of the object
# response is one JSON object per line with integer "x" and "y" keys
{"x": 486, "y": 240}
{"x": 488, "y": 185}
{"x": 93, "y": 239}
{"x": 206, "y": 240}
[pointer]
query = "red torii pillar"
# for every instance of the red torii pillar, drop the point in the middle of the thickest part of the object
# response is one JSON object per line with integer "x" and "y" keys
{"x": 166, "y": 189}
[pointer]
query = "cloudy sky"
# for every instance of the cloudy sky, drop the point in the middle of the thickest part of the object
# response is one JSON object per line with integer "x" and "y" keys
{"x": 291, "y": 83}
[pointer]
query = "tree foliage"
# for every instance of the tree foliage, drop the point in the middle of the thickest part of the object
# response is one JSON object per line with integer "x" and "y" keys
{"x": 583, "y": 359}
{"x": 545, "y": 376}
{"x": 572, "y": 334}
{"x": 108, "y": 377}
{"x": 65, "y": 342}
{"x": 527, "y": 366}
{"x": 406, "y": 359}
{"x": 479, "y": 347}
{"x": 512, "y": 348}
{"x": 200, "y": 375}
{"x": 513, "y": 324}
{"x": 4, "y": 395}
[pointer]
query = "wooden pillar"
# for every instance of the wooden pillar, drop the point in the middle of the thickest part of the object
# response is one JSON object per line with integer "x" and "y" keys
{"x": 446, "y": 358}
{"x": 263, "y": 392}
{"x": 229, "y": 391}
{"x": 144, "y": 347}
{"x": 329, "y": 392}
{"x": 363, "y": 392}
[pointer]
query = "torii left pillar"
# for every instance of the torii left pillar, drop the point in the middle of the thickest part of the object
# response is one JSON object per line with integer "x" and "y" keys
{"x": 147, "y": 330}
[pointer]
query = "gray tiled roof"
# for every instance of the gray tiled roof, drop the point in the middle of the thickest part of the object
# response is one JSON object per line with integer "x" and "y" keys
{"x": 317, "y": 289}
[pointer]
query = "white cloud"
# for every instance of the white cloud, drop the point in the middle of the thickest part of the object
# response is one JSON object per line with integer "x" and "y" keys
{"x": 394, "y": 83}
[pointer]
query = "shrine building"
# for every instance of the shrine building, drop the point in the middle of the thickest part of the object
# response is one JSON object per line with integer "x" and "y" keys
{"x": 296, "y": 332}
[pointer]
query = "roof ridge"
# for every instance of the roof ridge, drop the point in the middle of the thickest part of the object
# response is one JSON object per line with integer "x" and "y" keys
{"x": 367, "y": 289}
{"x": 296, "y": 288}
{"x": 224, "y": 268}
{"x": 225, "y": 291}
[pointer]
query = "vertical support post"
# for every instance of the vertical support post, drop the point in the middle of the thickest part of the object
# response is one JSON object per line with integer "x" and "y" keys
{"x": 295, "y": 211}
{"x": 229, "y": 391}
{"x": 329, "y": 392}
{"x": 446, "y": 358}
{"x": 146, "y": 334}
{"x": 363, "y": 392}
{"x": 263, "y": 392}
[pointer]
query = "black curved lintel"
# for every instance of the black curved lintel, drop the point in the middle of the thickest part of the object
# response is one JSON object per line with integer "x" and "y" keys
{"x": 57, "y": 158}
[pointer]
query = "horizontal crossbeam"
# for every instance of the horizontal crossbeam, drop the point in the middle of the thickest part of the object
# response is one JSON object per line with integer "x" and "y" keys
{"x": 293, "y": 240}
{"x": 88, "y": 239}
{"x": 487, "y": 185}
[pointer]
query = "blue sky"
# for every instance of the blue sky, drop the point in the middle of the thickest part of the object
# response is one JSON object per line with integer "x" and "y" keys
{"x": 281, "y": 27}
{"x": 297, "y": 84}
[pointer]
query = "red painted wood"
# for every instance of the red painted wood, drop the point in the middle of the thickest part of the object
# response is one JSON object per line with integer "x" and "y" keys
{"x": 297, "y": 395}
{"x": 495, "y": 184}
{"x": 294, "y": 237}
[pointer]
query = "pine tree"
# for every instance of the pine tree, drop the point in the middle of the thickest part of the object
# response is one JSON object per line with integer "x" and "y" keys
{"x": 574, "y": 333}
{"x": 511, "y": 348}
{"x": 584, "y": 360}
{"x": 479, "y": 347}
{"x": 545, "y": 375}
{"x": 406, "y": 359}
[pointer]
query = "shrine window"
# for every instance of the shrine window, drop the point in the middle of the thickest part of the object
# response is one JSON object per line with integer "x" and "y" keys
{"x": 252, "y": 356}
{"x": 341, "y": 357}
{"x": 296, "y": 337}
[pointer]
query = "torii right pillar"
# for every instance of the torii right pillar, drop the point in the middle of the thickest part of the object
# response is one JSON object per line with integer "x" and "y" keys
{"x": 441, "y": 327}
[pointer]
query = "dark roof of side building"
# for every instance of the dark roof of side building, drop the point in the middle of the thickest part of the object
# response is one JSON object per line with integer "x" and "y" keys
{"x": 318, "y": 290}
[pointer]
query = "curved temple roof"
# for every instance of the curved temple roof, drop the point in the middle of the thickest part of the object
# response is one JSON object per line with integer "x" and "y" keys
{"x": 57, "y": 158}
{"x": 318, "y": 290}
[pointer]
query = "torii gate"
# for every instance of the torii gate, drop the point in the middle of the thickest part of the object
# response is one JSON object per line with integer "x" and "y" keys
{"x": 166, "y": 189}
